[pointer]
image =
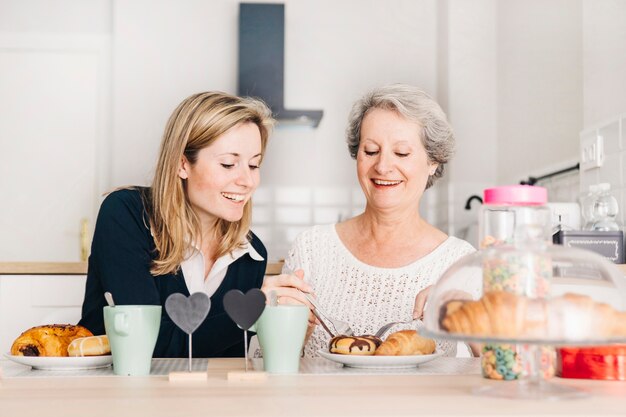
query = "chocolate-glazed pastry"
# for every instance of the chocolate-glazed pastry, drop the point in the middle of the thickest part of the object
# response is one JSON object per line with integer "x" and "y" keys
{"x": 354, "y": 345}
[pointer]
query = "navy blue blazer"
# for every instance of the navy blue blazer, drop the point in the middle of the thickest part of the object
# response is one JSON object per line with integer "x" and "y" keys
{"x": 121, "y": 254}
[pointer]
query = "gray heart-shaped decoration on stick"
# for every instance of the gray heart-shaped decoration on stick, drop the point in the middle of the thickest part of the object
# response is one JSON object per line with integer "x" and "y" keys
{"x": 188, "y": 313}
{"x": 244, "y": 309}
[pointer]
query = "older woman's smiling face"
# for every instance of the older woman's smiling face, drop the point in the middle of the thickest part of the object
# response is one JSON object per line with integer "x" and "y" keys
{"x": 392, "y": 165}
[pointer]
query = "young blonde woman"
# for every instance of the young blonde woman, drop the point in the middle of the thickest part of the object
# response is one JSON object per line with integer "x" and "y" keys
{"x": 189, "y": 231}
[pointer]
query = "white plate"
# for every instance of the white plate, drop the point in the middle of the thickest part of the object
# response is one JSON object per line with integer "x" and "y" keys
{"x": 60, "y": 363}
{"x": 373, "y": 362}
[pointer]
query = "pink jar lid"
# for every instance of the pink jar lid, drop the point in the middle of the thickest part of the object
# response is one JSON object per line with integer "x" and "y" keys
{"x": 516, "y": 194}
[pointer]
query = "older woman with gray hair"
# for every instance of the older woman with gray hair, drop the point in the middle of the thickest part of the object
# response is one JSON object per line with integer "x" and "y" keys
{"x": 377, "y": 267}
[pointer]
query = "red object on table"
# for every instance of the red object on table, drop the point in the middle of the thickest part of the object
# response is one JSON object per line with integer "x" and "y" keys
{"x": 599, "y": 362}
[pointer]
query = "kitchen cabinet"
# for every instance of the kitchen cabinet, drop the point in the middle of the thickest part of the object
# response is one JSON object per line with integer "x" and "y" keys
{"x": 30, "y": 300}
{"x": 54, "y": 128}
{"x": 34, "y": 293}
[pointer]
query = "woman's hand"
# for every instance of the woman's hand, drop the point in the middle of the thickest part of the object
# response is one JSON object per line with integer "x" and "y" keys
{"x": 289, "y": 290}
{"x": 420, "y": 302}
{"x": 422, "y": 298}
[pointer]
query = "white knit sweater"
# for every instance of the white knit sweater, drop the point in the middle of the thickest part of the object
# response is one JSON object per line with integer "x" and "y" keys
{"x": 363, "y": 295}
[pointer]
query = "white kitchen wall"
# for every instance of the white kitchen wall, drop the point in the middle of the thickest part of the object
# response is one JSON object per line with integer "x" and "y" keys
{"x": 515, "y": 97}
{"x": 604, "y": 60}
{"x": 54, "y": 124}
{"x": 604, "y": 45}
{"x": 470, "y": 83}
{"x": 334, "y": 52}
{"x": 540, "y": 78}
{"x": 55, "y": 17}
{"x": 517, "y": 78}
{"x": 332, "y": 55}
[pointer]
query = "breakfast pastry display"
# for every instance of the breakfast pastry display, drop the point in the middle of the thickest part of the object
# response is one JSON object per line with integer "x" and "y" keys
{"x": 509, "y": 316}
{"x": 60, "y": 340}
{"x": 404, "y": 342}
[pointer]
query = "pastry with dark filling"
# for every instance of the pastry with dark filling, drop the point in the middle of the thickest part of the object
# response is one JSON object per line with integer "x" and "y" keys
{"x": 354, "y": 345}
{"x": 48, "y": 340}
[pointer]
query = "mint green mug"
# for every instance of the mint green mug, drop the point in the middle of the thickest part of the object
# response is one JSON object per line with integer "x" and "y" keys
{"x": 132, "y": 331}
{"x": 281, "y": 331}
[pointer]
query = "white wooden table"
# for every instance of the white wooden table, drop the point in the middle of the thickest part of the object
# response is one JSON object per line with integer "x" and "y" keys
{"x": 323, "y": 389}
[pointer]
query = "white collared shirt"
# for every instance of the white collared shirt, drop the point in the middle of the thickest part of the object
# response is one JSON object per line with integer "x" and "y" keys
{"x": 193, "y": 268}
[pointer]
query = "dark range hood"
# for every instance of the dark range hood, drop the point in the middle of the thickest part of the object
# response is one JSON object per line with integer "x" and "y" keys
{"x": 262, "y": 61}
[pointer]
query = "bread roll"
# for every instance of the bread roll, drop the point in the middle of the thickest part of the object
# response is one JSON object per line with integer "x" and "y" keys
{"x": 354, "y": 345}
{"x": 406, "y": 342}
{"x": 89, "y": 346}
{"x": 48, "y": 340}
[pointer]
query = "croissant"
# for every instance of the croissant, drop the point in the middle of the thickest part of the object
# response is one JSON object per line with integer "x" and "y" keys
{"x": 405, "y": 342}
{"x": 506, "y": 315}
{"x": 48, "y": 340}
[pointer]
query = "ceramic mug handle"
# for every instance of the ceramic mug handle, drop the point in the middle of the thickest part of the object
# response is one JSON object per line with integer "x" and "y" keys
{"x": 121, "y": 323}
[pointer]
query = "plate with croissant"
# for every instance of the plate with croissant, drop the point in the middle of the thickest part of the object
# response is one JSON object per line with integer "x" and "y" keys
{"x": 60, "y": 347}
{"x": 403, "y": 349}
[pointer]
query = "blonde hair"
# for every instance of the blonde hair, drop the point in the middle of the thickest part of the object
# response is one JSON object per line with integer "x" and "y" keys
{"x": 196, "y": 123}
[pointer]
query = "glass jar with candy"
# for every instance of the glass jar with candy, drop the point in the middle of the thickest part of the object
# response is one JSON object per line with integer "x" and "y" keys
{"x": 515, "y": 216}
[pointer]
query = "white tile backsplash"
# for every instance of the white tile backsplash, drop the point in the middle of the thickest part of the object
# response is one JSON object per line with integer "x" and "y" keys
{"x": 280, "y": 213}
{"x": 563, "y": 188}
{"x": 293, "y": 215}
{"x": 357, "y": 211}
{"x": 622, "y": 157}
{"x": 358, "y": 198}
{"x": 588, "y": 134}
{"x": 611, "y": 170}
{"x": 262, "y": 214}
{"x": 611, "y": 136}
{"x": 293, "y": 195}
{"x": 264, "y": 233}
{"x": 330, "y": 196}
{"x": 326, "y": 215}
{"x": 290, "y": 233}
{"x": 262, "y": 195}
{"x": 588, "y": 178}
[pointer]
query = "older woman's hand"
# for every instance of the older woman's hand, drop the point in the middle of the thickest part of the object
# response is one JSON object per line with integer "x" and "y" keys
{"x": 420, "y": 302}
{"x": 289, "y": 290}
{"x": 422, "y": 298}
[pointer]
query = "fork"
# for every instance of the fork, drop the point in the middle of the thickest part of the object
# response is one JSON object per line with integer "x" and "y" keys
{"x": 341, "y": 327}
{"x": 381, "y": 332}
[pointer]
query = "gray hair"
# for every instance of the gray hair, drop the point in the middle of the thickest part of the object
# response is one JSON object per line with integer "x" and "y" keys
{"x": 415, "y": 105}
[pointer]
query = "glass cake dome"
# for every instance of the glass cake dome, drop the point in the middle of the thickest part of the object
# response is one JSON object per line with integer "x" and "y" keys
{"x": 536, "y": 295}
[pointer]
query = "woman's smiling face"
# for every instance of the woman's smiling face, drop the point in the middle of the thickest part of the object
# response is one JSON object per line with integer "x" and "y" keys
{"x": 392, "y": 165}
{"x": 225, "y": 175}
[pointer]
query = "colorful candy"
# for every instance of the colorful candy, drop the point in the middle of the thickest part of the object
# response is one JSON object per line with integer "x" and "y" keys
{"x": 518, "y": 272}
{"x": 500, "y": 362}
